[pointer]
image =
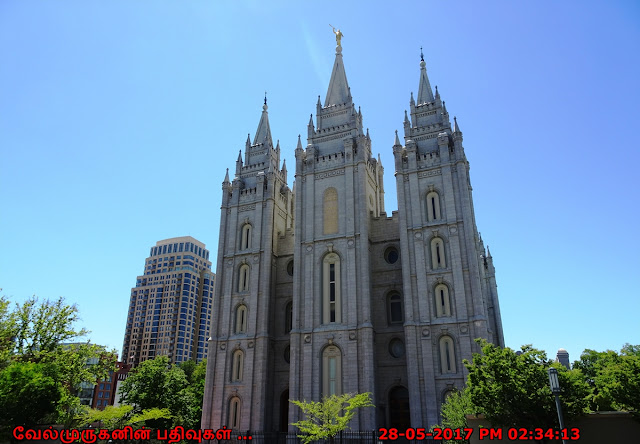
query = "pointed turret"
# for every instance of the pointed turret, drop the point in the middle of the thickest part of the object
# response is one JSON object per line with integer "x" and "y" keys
{"x": 263, "y": 133}
{"x": 310, "y": 129}
{"x": 226, "y": 178}
{"x": 299, "y": 146}
{"x": 424, "y": 92}
{"x": 338, "y": 92}
{"x": 239, "y": 163}
{"x": 456, "y": 128}
{"x": 397, "y": 142}
{"x": 411, "y": 101}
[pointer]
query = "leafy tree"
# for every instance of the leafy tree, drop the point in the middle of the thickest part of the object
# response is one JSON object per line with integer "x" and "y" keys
{"x": 454, "y": 411}
{"x": 513, "y": 390}
{"x": 28, "y": 392}
{"x": 614, "y": 379}
{"x": 323, "y": 419}
{"x": 38, "y": 373}
{"x": 157, "y": 384}
{"x": 118, "y": 417}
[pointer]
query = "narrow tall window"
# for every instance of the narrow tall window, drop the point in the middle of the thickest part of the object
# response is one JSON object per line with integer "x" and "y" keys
{"x": 394, "y": 308}
{"x": 330, "y": 211}
{"x": 245, "y": 238}
{"x": 331, "y": 371}
{"x": 433, "y": 206}
{"x": 331, "y": 288}
{"x": 437, "y": 253}
{"x": 243, "y": 278}
{"x": 288, "y": 313}
{"x": 234, "y": 413}
{"x": 443, "y": 306}
{"x": 447, "y": 355}
{"x": 236, "y": 367}
{"x": 241, "y": 319}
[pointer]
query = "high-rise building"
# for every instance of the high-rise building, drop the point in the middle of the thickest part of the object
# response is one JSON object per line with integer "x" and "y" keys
{"x": 171, "y": 305}
{"x": 319, "y": 292}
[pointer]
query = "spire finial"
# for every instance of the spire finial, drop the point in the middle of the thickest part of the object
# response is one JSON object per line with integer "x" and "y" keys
{"x": 265, "y": 107}
{"x": 456, "y": 128}
{"x": 397, "y": 143}
{"x": 421, "y": 55}
{"x": 226, "y": 177}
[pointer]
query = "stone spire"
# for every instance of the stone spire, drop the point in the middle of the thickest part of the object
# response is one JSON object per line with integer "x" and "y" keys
{"x": 310, "y": 129}
{"x": 424, "y": 92}
{"x": 226, "y": 178}
{"x": 338, "y": 92}
{"x": 397, "y": 142}
{"x": 263, "y": 133}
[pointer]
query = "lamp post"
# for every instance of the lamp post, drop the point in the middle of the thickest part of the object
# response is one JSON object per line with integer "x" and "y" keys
{"x": 555, "y": 389}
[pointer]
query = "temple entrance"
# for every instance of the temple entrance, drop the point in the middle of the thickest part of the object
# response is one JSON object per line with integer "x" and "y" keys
{"x": 284, "y": 411}
{"x": 399, "y": 414}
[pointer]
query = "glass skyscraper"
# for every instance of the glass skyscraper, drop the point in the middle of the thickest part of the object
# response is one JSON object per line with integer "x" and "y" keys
{"x": 170, "y": 306}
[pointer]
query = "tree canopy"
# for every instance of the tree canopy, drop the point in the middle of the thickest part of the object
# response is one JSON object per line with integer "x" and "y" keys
{"x": 323, "y": 418}
{"x": 155, "y": 384}
{"x": 40, "y": 370}
{"x": 512, "y": 389}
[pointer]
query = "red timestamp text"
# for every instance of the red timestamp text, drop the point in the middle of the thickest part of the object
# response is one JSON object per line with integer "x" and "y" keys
{"x": 392, "y": 434}
{"x": 523, "y": 434}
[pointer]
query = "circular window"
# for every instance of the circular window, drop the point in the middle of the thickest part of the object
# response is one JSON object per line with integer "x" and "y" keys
{"x": 391, "y": 255}
{"x": 287, "y": 354}
{"x": 290, "y": 268}
{"x": 396, "y": 348}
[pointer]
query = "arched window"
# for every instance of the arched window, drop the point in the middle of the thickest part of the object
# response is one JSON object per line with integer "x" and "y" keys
{"x": 245, "y": 238}
{"x": 234, "y": 413}
{"x": 447, "y": 355}
{"x": 443, "y": 306}
{"x": 394, "y": 308}
{"x": 241, "y": 319}
{"x": 330, "y": 211}
{"x": 331, "y": 288}
{"x": 331, "y": 371}
{"x": 243, "y": 278}
{"x": 433, "y": 206}
{"x": 237, "y": 366}
{"x": 288, "y": 317}
{"x": 437, "y": 254}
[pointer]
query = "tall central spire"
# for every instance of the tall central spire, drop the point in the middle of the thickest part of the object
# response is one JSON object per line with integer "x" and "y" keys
{"x": 424, "y": 90}
{"x": 263, "y": 133}
{"x": 338, "y": 92}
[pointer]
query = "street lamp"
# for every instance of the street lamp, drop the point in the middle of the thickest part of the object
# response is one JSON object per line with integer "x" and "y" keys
{"x": 555, "y": 389}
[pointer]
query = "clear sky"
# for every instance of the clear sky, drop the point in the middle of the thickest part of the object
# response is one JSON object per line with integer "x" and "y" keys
{"x": 118, "y": 119}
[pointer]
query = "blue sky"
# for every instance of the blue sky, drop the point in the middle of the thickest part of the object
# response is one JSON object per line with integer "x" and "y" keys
{"x": 118, "y": 119}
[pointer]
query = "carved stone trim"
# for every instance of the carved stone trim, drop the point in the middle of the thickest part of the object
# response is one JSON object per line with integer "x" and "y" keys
{"x": 453, "y": 230}
{"x": 426, "y": 332}
{"x": 329, "y": 174}
{"x": 431, "y": 173}
{"x": 246, "y": 208}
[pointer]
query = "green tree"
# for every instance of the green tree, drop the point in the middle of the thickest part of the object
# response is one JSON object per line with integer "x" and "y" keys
{"x": 157, "y": 384}
{"x": 324, "y": 420}
{"x": 513, "y": 389}
{"x": 613, "y": 378}
{"x": 118, "y": 417}
{"x": 28, "y": 392}
{"x": 35, "y": 365}
{"x": 454, "y": 412}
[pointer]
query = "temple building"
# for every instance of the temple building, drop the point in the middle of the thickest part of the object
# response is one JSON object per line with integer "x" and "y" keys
{"x": 319, "y": 291}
